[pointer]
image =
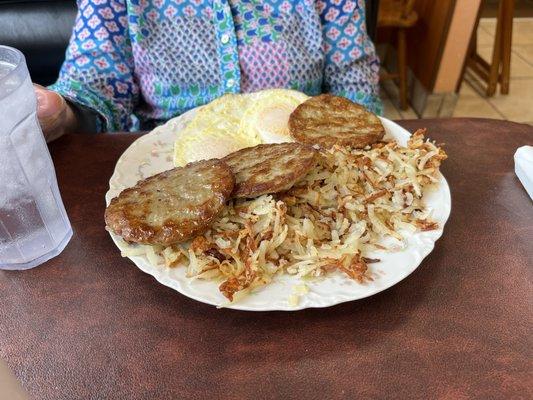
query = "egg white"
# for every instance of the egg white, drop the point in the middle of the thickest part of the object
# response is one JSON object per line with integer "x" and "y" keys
{"x": 214, "y": 131}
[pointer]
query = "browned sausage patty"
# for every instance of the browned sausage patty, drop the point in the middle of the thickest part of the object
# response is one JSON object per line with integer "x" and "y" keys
{"x": 269, "y": 168}
{"x": 327, "y": 120}
{"x": 172, "y": 206}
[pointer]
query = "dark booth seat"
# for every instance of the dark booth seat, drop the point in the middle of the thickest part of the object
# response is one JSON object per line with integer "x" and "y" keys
{"x": 41, "y": 30}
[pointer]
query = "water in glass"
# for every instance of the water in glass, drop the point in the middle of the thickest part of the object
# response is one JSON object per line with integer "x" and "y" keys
{"x": 34, "y": 226}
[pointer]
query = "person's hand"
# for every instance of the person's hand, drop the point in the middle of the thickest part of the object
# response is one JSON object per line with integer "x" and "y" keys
{"x": 54, "y": 114}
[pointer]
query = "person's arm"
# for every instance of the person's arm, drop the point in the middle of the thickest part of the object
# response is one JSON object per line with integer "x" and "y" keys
{"x": 97, "y": 75}
{"x": 352, "y": 66}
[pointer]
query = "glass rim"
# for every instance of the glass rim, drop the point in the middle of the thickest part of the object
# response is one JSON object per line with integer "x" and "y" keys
{"x": 18, "y": 64}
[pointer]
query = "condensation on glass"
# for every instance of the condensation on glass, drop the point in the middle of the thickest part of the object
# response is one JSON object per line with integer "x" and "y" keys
{"x": 34, "y": 226}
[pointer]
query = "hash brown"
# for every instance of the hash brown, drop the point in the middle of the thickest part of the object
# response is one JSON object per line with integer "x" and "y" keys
{"x": 269, "y": 168}
{"x": 172, "y": 206}
{"x": 327, "y": 120}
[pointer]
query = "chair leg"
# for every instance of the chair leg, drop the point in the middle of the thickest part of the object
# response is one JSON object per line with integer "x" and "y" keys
{"x": 385, "y": 62}
{"x": 402, "y": 68}
{"x": 507, "y": 37}
{"x": 496, "y": 55}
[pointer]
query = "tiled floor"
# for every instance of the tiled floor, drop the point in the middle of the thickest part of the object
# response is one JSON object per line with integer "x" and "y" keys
{"x": 516, "y": 106}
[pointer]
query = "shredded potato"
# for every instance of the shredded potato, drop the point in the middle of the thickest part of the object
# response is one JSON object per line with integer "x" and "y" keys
{"x": 328, "y": 221}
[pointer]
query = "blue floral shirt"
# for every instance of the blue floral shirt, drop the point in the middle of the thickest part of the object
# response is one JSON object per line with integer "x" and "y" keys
{"x": 137, "y": 63}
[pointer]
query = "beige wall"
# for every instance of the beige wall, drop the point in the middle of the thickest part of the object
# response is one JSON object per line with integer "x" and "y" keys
{"x": 456, "y": 46}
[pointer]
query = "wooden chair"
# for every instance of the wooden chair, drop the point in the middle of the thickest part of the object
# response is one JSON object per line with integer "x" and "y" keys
{"x": 399, "y": 15}
{"x": 499, "y": 69}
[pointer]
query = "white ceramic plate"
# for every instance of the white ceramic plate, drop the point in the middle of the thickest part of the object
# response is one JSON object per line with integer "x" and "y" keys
{"x": 152, "y": 153}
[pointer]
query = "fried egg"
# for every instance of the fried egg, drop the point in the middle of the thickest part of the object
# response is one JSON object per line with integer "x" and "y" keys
{"x": 214, "y": 131}
{"x": 268, "y": 115}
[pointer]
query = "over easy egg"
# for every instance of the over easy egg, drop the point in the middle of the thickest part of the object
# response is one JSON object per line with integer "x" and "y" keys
{"x": 236, "y": 121}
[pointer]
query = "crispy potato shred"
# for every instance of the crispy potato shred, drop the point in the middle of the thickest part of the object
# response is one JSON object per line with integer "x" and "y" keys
{"x": 354, "y": 201}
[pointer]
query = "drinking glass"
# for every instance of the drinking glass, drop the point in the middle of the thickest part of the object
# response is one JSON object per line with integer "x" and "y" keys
{"x": 34, "y": 226}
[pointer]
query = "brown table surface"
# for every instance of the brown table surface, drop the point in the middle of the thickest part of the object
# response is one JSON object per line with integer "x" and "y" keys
{"x": 90, "y": 325}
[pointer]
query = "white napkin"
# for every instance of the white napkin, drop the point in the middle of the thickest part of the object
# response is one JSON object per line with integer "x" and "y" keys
{"x": 523, "y": 167}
